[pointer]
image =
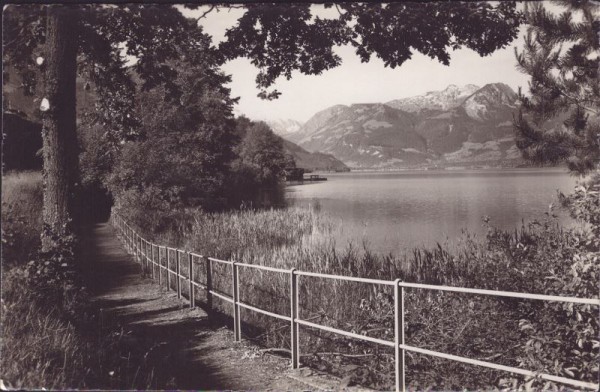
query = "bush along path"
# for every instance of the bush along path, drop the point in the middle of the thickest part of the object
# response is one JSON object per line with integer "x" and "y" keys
{"x": 170, "y": 346}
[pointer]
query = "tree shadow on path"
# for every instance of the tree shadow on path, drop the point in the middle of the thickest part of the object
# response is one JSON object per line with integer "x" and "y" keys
{"x": 154, "y": 328}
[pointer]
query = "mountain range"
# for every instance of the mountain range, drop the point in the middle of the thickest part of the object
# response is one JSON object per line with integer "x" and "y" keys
{"x": 307, "y": 160}
{"x": 457, "y": 126}
{"x": 313, "y": 160}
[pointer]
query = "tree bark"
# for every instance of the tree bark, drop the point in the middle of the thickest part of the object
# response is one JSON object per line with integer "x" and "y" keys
{"x": 60, "y": 146}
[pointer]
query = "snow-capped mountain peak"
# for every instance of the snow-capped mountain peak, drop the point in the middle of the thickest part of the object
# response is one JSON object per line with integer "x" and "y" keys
{"x": 488, "y": 100}
{"x": 284, "y": 126}
{"x": 449, "y": 98}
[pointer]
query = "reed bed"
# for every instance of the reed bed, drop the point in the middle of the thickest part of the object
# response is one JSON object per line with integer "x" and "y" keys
{"x": 471, "y": 326}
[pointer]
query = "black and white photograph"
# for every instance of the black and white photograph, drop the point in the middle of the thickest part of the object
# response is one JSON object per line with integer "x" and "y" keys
{"x": 300, "y": 196}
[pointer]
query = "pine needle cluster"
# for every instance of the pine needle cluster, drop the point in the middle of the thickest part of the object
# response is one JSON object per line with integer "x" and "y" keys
{"x": 559, "y": 120}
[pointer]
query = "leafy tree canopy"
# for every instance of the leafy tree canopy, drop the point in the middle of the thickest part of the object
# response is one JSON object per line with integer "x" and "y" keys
{"x": 183, "y": 159}
{"x": 107, "y": 37}
{"x": 282, "y": 38}
{"x": 261, "y": 155}
{"x": 561, "y": 55}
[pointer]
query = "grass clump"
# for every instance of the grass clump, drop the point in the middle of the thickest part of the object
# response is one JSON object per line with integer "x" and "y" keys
{"x": 22, "y": 199}
{"x": 40, "y": 348}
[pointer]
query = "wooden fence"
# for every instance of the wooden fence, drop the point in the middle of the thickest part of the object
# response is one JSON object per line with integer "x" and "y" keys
{"x": 147, "y": 254}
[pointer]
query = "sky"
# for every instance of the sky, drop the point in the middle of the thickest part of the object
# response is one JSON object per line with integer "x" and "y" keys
{"x": 356, "y": 82}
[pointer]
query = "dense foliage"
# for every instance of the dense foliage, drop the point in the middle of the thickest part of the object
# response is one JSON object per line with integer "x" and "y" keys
{"x": 560, "y": 117}
{"x": 183, "y": 158}
{"x": 190, "y": 154}
{"x": 260, "y": 153}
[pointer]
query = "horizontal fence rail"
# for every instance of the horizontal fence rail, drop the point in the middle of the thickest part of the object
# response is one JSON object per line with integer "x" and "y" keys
{"x": 159, "y": 259}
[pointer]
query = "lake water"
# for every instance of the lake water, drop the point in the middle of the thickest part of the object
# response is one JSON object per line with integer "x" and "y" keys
{"x": 398, "y": 211}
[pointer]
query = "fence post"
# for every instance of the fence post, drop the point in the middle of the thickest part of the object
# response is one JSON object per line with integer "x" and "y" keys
{"x": 209, "y": 296}
{"x": 148, "y": 255}
{"x": 168, "y": 269}
{"x": 159, "y": 268}
{"x": 152, "y": 258}
{"x": 142, "y": 252}
{"x": 147, "y": 258}
{"x": 237, "y": 333}
{"x": 191, "y": 273}
{"x": 140, "y": 257}
{"x": 137, "y": 247}
{"x": 399, "y": 335}
{"x": 143, "y": 255}
{"x": 178, "y": 269}
{"x": 295, "y": 341}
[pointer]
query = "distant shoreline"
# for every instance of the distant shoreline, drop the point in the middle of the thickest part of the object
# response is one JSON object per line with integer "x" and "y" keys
{"x": 450, "y": 169}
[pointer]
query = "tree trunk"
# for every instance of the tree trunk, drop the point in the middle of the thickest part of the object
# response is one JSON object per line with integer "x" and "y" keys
{"x": 60, "y": 149}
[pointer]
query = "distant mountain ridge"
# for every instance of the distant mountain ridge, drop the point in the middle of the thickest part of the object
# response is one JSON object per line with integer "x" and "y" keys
{"x": 459, "y": 125}
{"x": 313, "y": 160}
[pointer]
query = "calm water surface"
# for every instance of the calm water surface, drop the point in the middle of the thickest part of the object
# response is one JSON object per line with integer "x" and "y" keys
{"x": 397, "y": 211}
